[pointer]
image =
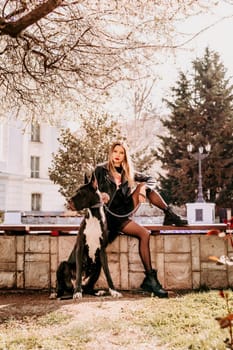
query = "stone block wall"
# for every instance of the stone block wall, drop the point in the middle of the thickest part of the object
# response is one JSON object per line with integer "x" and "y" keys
{"x": 30, "y": 261}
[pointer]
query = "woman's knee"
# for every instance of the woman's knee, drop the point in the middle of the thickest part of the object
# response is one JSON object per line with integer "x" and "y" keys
{"x": 145, "y": 236}
{"x": 135, "y": 229}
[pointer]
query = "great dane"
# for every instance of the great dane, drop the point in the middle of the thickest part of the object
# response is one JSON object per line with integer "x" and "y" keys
{"x": 81, "y": 271}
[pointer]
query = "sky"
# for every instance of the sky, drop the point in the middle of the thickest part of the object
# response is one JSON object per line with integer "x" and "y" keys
{"x": 218, "y": 25}
{"x": 218, "y": 38}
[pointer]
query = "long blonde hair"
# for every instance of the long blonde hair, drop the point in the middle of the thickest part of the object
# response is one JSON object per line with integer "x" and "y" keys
{"x": 127, "y": 166}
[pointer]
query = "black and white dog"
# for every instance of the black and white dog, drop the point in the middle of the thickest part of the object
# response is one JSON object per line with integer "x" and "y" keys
{"x": 81, "y": 271}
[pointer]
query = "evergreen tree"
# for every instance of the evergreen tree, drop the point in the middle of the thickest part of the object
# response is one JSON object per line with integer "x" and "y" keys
{"x": 201, "y": 113}
{"x": 80, "y": 152}
{"x": 143, "y": 160}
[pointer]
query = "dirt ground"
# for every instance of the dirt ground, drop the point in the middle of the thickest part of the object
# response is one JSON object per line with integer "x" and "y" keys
{"x": 35, "y": 303}
{"x": 87, "y": 310}
{"x": 19, "y": 304}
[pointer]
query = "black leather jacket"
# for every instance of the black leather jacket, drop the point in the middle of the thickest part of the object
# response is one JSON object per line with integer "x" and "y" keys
{"x": 120, "y": 198}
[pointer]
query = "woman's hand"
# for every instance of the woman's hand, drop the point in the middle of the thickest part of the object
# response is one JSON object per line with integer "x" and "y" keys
{"x": 105, "y": 197}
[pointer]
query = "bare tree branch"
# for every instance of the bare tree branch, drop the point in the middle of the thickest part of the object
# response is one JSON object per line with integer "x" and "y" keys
{"x": 63, "y": 51}
{"x": 14, "y": 28}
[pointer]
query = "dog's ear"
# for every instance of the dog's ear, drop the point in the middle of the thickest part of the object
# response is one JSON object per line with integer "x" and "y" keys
{"x": 86, "y": 179}
{"x": 94, "y": 181}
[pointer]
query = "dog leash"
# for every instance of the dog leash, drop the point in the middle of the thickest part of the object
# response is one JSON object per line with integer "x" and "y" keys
{"x": 97, "y": 205}
{"x": 119, "y": 215}
{"x": 100, "y": 204}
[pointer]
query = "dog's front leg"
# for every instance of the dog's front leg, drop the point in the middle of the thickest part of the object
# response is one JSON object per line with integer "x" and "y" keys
{"x": 79, "y": 258}
{"x": 104, "y": 263}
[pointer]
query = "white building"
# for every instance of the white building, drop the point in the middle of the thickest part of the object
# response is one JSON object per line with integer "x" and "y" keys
{"x": 24, "y": 161}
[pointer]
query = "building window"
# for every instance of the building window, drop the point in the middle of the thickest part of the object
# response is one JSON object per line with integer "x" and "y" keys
{"x": 36, "y": 202}
{"x": 35, "y": 167}
{"x": 199, "y": 214}
{"x": 35, "y": 132}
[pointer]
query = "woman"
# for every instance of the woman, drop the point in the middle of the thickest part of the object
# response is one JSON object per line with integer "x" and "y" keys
{"x": 122, "y": 191}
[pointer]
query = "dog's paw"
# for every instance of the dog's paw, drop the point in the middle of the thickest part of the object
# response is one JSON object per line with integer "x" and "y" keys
{"x": 115, "y": 293}
{"x": 53, "y": 296}
{"x": 77, "y": 295}
{"x": 100, "y": 293}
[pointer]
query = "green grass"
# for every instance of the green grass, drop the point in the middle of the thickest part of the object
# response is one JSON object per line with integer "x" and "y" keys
{"x": 186, "y": 322}
{"x": 180, "y": 323}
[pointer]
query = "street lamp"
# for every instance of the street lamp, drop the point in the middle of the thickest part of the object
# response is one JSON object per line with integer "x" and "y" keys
{"x": 199, "y": 156}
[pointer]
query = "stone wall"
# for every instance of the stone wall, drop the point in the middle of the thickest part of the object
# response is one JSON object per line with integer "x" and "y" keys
{"x": 30, "y": 261}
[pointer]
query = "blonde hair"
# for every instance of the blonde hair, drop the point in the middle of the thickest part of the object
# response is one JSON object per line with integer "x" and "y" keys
{"x": 127, "y": 166}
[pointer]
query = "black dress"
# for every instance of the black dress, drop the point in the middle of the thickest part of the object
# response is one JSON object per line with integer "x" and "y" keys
{"x": 120, "y": 206}
{"x": 118, "y": 213}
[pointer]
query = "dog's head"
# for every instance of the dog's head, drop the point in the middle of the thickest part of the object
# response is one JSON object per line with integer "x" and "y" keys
{"x": 86, "y": 196}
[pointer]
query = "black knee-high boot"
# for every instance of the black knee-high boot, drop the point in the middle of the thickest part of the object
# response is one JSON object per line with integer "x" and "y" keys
{"x": 151, "y": 284}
